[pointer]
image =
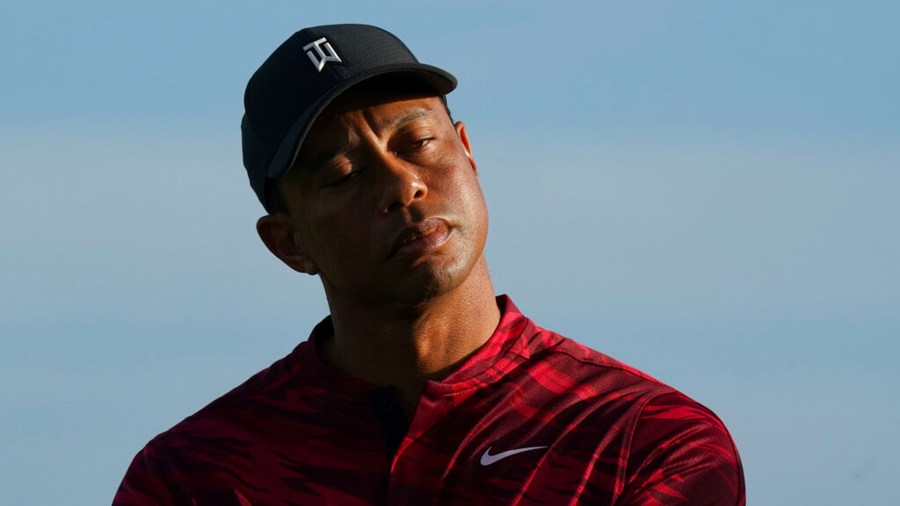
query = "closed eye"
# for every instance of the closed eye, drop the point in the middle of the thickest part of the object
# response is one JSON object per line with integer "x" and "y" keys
{"x": 346, "y": 178}
{"x": 341, "y": 173}
{"x": 417, "y": 145}
{"x": 421, "y": 143}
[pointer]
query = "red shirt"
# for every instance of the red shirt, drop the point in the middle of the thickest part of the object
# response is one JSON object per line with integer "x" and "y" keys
{"x": 532, "y": 418}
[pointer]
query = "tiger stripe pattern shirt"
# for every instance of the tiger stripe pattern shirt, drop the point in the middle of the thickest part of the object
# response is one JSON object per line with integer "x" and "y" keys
{"x": 531, "y": 418}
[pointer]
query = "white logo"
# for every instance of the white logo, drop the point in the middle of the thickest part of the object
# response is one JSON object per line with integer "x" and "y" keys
{"x": 320, "y": 52}
{"x": 488, "y": 459}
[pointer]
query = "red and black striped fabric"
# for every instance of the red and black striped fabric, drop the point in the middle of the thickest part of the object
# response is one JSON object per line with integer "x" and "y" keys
{"x": 532, "y": 418}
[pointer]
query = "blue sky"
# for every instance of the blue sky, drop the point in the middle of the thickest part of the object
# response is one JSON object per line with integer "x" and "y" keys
{"x": 702, "y": 189}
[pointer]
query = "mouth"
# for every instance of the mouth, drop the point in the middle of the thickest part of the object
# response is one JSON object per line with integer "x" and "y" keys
{"x": 422, "y": 238}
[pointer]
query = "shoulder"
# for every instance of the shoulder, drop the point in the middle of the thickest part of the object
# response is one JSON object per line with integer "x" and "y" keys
{"x": 224, "y": 429}
{"x": 674, "y": 450}
{"x": 232, "y": 410}
{"x": 681, "y": 453}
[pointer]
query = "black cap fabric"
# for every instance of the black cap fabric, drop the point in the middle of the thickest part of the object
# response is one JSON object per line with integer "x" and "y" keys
{"x": 286, "y": 94}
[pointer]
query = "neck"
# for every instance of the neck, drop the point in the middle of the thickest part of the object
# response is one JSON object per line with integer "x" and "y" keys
{"x": 408, "y": 346}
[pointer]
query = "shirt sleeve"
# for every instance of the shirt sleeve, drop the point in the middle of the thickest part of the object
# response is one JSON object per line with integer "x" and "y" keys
{"x": 681, "y": 453}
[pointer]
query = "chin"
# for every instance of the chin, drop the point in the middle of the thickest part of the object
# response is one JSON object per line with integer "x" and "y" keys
{"x": 428, "y": 282}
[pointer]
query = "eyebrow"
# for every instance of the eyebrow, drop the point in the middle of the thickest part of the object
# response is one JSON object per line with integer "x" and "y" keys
{"x": 414, "y": 114}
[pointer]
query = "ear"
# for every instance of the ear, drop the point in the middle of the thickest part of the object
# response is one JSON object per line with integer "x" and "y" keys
{"x": 278, "y": 234}
{"x": 464, "y": 137}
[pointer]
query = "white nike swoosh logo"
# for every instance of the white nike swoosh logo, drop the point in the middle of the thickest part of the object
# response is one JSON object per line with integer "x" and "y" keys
{"x": 488, "y": 459}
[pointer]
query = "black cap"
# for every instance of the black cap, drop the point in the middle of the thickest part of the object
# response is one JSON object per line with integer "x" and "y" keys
{"x": 286, "y": 94}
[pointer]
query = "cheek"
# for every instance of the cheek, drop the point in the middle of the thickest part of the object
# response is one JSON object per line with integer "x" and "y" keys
{"x": 464, "y": 194}
{"x": 327, "y": 216}
{"x": 337, "y": 236}
{"x": 457, "y": 177}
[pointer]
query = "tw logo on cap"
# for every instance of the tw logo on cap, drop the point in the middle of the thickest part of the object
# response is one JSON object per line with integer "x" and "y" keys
{"x": 320, "y": 52}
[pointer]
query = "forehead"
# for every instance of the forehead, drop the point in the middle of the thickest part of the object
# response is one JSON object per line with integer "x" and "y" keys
{"x": 377, "y": 108}
{"x": 377, "y": 91}
{"x": 378, "y": 111}
{"x": 380, "y": 99}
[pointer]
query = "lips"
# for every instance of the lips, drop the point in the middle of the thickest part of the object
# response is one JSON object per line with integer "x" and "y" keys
{"x": 416, "y": 240}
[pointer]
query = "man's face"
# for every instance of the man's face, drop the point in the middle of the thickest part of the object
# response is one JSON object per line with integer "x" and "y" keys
{"x": 384, "y": 199}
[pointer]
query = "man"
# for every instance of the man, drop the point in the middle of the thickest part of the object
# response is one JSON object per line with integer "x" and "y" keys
{"x": 421, "y": 387}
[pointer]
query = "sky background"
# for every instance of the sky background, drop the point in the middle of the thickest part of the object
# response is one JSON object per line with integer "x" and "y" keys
{"x": 705, "y": 190}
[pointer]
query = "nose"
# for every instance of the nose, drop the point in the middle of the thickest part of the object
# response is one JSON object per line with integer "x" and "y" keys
{"x": 399, "y": 185}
